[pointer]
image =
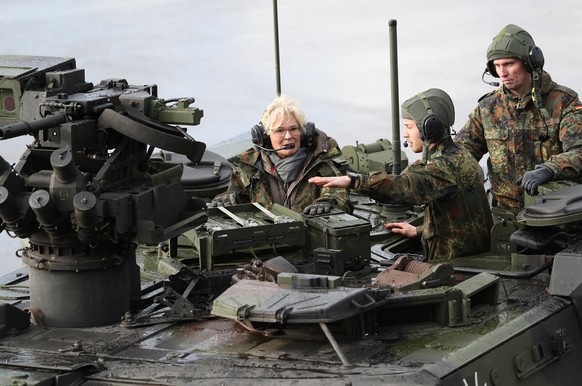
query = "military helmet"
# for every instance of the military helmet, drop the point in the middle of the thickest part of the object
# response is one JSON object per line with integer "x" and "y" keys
{"x": 433, "y": 111}
{"x": 514, "y": 42}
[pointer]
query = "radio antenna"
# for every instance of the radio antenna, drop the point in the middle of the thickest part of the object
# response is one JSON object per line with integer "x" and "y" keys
{"x": 396, "y": 166}
{"x": 276, "y": 33}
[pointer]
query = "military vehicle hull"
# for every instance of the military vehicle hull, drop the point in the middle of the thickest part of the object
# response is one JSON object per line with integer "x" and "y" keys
{"x": 527, "y": 337}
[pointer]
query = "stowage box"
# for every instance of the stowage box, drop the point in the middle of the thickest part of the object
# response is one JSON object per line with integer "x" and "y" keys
{"x": 341, "y": 231}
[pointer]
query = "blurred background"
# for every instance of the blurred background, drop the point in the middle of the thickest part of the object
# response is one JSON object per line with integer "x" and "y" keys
{"x": 334, "y": 56}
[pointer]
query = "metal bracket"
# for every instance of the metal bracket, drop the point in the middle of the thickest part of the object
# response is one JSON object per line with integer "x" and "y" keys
{"x": 542, "y": 354}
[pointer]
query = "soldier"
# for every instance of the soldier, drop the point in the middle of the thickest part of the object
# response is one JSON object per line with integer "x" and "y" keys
{"x": 288, "y": 150}
{"x": 448, "y": 180}
{"x": 530, "y": 126}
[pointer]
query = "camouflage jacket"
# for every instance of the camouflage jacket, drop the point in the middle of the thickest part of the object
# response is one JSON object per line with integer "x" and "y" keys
{"x": 255, "y": 179}
{"x": 457, "y": 217}
{"x": 513, "y": 132}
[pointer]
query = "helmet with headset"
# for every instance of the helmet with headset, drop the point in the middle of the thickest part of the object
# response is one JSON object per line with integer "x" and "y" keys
{"x": 514, "y": 42}
{"x": 434, "y": 114}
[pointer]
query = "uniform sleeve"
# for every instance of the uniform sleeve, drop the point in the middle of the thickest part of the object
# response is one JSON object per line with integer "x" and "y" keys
{"x": 240, "y": 182}
{"x": 472, "y": 136}
{"x": 418, "y": 184}
{"x": 568, "y": 165}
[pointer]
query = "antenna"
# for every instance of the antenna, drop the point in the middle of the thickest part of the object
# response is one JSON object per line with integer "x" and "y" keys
{"x": 396, "y": 165}
{"x": 276, "y": 33}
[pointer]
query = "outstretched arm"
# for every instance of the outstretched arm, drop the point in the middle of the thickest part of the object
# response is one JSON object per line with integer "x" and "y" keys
{"x": 402, "y": 228}
{"x": 331, "y": 182}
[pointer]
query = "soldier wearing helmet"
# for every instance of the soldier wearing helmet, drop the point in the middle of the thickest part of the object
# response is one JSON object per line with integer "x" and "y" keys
{"x": 448, "y": 181}
{"x": 530, "y": 126}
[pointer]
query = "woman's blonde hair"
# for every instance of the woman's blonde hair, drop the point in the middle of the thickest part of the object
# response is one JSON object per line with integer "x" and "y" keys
{"x": 279, "y": 111}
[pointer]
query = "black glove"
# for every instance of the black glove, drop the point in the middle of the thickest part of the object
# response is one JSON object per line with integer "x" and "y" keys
{"x": 225, "y": 199}
{"x": 534, "y": 178}
{"x": 320, "y": 207}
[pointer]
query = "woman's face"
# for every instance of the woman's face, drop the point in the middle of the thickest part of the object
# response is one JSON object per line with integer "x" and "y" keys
{"x": 287, "y": 133}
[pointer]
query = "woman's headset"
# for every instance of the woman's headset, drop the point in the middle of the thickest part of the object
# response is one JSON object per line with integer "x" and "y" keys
{"x": 260, "y": 138}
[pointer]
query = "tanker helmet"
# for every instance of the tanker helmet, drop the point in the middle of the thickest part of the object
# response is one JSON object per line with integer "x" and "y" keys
{"x": 514, "y": 42}
{"x": 434, "y": 114}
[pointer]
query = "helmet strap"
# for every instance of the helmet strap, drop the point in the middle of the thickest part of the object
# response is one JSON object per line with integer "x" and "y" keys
{"x": 537, "y": 94}
{"x": 425, "y": 148}
{"x": 537, "y": 99}
{"x": 429, "y": 148}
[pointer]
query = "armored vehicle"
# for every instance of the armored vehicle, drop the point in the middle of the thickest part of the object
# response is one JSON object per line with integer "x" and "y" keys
{"x": 130, "y": 278}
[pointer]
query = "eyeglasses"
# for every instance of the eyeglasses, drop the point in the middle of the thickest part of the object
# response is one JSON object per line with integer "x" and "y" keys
{"x": 281, "y": 132}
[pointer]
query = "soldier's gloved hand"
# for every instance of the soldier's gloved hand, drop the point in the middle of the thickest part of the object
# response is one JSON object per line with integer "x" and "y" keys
{"x": 534, "y": 178}
{"x": 225, "y": 199}
{"x": 320, "y": 207}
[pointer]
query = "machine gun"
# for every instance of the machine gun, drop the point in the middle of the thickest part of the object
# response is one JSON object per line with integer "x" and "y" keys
{"x": 81, "y": 192}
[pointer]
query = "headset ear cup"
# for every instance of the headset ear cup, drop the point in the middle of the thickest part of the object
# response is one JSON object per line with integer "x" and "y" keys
{"x": 260, "y": 137}
{"x": 536, "y": 58}
{"x": 308, "y": 135}
{"x": 432, "y": 129}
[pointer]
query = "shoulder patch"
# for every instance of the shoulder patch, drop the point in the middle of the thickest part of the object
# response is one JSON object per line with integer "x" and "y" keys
{"x": 578, "y": 107}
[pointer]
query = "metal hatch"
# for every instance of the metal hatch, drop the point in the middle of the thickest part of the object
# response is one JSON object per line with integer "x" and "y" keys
{"x": 559, "y": 207}
{"x": 297, "y": 298}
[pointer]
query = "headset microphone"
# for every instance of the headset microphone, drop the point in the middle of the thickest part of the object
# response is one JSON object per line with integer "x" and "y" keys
{"x": 494, "y": 84}
{"x": 405, "y": 143}
{"x": 286, "y": 147}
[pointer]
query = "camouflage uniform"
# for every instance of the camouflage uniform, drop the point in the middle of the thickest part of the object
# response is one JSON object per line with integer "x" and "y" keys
{"x": 512, "y": 130}
{"x": 457, "y": 217}
{"x": 256, "y": 180}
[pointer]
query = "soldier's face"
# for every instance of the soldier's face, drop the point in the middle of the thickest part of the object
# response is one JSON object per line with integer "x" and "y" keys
{"x": 513, "y": 74}
{"x": 412, "y": 135}
{"x": 286, "y": 133}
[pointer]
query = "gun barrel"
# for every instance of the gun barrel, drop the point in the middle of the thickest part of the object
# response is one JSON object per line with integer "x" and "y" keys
{"x": 32, "y": 127}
